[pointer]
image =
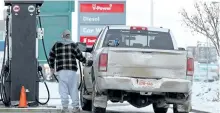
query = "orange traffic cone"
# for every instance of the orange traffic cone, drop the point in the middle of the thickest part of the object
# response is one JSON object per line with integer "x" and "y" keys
{"x": 23, "y": 98}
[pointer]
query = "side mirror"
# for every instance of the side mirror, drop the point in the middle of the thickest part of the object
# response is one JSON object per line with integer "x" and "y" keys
{"x": 89, "y": 63}
{"x": 89, "y": 50}
{"x": 82, "y": 46}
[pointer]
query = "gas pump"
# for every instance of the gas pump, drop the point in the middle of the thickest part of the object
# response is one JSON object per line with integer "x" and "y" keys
{"x": 20, "y": 65}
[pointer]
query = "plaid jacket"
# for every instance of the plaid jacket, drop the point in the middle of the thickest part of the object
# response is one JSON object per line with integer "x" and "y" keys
{"x": 64, "y": 56}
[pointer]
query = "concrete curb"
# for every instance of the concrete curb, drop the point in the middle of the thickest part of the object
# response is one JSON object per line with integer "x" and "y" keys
{"x": 127, "y": 104}
{"x": 198, "y": 111}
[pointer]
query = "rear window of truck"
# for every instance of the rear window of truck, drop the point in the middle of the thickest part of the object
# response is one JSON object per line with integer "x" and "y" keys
{"x": 151, "y": 40}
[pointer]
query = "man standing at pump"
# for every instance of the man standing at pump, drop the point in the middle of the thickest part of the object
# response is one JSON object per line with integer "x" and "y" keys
{"x": 64, "y": 54}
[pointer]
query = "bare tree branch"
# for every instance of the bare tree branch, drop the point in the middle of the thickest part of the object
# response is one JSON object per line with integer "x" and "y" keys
{"x": 204, "y": 21}
{"x": 212, "y": 21}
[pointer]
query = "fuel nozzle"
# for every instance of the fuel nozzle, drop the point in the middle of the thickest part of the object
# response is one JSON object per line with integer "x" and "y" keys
{"x": 40, "y": 68}
{"x": 38, "y": 10}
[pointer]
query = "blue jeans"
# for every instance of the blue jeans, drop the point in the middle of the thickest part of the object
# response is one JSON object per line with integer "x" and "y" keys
{"x": 68, "y": 86}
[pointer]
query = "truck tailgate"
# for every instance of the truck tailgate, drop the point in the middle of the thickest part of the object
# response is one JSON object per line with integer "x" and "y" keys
{"x": 147, "y": 63}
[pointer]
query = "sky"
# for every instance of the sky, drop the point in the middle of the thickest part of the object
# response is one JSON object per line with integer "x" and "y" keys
{"x": 166, "y": 14}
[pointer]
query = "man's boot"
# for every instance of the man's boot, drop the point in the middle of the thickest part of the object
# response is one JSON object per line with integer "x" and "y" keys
{"x": 76, "y": 110}
{"x": 65, "y": 110}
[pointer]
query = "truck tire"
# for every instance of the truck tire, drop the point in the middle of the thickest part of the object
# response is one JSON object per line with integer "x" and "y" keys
{"x": 96, "y": 109}
{"x": 85, "y": 103}
{"x": 176, "y": 111}
{"x": 159, "y": 110}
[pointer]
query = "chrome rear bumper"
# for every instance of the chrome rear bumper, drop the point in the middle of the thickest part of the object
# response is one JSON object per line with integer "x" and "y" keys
{"x": 131, "y": 84}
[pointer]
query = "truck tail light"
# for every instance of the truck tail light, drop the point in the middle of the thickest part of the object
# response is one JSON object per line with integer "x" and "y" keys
{"x": 190, "y": 67}
{"x": 138, "y": 28}
{"x": 103, "y": 62}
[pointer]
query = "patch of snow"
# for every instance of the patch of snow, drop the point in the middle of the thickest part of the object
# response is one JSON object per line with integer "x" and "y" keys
{"x": 205, "y": 96}
{"x": 130, "y": 109}
{"x": 206, "y": 91}
{"x": 212, "y": 107}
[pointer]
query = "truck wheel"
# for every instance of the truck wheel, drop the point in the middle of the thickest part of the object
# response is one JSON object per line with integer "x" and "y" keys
{"x": 85, "y": 103}
{"x": 159, "y": 110}
{"x": 96, "y": 109}
{"x": 176, "y": 111}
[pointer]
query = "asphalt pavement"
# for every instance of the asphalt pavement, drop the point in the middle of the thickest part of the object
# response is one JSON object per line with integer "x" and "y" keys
{"x": 109, "y": 111}
{"x": 112, "y": 108}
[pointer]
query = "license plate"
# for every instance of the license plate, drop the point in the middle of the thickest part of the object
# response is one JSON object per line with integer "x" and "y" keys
{"x": 147, "y": 83}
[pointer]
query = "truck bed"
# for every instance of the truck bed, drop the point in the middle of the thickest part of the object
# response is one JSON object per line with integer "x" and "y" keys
{"x": 146, "y": 63}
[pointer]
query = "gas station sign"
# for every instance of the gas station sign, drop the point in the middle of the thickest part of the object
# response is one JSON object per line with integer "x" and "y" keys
{"x": 88, "y": 30}
{"x": 94, "y": 15}
{"x": 89, "y": 40}
{"x": 102, "y": 7}
{"x": 94, "y": 18}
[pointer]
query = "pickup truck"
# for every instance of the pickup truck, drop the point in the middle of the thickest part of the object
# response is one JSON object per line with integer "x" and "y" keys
{"x": 140, "y": 65}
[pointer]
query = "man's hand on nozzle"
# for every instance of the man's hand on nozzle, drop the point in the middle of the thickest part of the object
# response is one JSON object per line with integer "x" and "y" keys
{"x": 84, "y": 62}
{"x": 89, "y": 63}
